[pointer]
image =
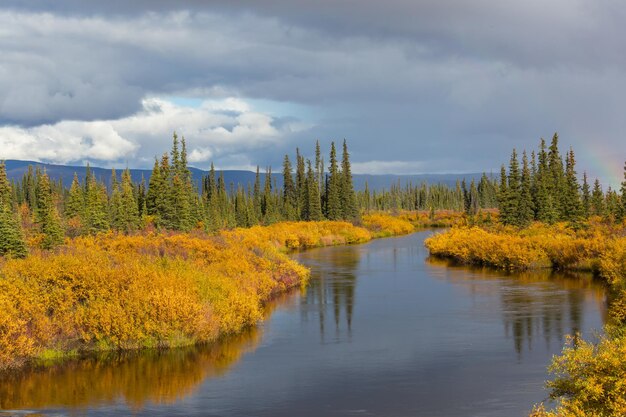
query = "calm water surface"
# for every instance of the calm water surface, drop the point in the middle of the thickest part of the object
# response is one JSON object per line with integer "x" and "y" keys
{"x": 380, "y": 331}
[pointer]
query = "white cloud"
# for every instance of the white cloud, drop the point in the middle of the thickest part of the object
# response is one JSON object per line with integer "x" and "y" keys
{"x": 217, "y": 128}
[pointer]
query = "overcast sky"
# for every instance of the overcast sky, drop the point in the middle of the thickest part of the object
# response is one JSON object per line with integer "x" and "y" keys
{"x": 414, "y": 86}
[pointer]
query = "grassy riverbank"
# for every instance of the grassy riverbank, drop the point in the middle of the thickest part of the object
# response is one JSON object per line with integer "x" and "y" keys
{"x": 118, "y": 292}
{"x": 589, "y": 379}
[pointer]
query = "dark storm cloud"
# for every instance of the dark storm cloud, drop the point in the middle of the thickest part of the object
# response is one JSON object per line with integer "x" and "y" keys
{"x": 425, "y": 82}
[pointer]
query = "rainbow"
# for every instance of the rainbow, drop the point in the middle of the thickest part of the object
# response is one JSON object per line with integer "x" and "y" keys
{"x": 604, "y": 164}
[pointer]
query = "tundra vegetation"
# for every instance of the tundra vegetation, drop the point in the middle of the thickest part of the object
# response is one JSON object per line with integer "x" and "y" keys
{"x": 95, "y": 268}
{"x": 548, "y": 219}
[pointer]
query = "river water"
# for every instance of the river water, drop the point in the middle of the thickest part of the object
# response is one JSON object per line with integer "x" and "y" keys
{"x": 380, "y": 331}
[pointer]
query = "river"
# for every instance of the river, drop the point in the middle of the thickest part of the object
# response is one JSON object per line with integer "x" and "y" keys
{"x": 380, "y": 331}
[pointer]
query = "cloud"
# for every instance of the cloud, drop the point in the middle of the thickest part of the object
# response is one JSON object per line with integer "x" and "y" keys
{"x": 449, "y": 81}
{"x": 223, "y": 129}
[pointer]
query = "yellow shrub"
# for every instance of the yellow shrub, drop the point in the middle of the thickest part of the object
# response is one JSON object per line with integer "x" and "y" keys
{"x": 156, "y": 290}
{"x": 386, "y": 225}
{"x": 127, "y": 292}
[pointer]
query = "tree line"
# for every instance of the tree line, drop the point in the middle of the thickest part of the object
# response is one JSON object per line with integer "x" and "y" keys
{"x": 463, "y": 197}
{"x": 170, "y": 200}
{"x": 546, "y": 188}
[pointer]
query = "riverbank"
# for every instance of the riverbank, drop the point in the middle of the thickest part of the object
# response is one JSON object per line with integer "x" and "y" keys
{"x": 588, "y": 377}
{"x": 117, "y": 292}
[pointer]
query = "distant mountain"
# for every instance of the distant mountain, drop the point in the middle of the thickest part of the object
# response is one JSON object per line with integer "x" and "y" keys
{"x": 16, "y": 169}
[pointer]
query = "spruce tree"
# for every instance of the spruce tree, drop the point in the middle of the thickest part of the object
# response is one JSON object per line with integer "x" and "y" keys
{"x": 47, "y": 216}
{"x": 314, "y": 208}
{"x": 181, "y": 218}
{"x": 525, "y": 213}
{"x": 466, "y": 197}
{"x": 270, "y": 214}
{"x": 557, "y": 184}
{"x": 76, "y": 200}
{"x": 597, "y": 199}
{"x": 512, "y": 198}
{"x": 189, "y": 208}
{"x": 214, "y": 219}
{"x": 503, "y": 198}
{"x": 367, "y": 198}
{"x": 115, "y": 203}
{"x": 29, "y": 185}
{"x": 256, "y": 195}
{"x": 155, "y": 187}
{"x": 141, "y": 198}
{"x": 612, "y": 205}
{"x": 290, "y": 199}
{"x": 11, "y": 239}
{"x": 349, "y": 208}
{"x": 473, "y": 203}
{"x": 571, "y": 206}
{"x": 6, "y": 192}
{"x": 545, "y": 202}
{"x": 333, "y": 198}
{"x": 301, "y": 189}
{"x": 319, "y": 166}
{"x": 165, "y": 209}
{"x": 586, "y": 198}
{"x": 128, "y": 211}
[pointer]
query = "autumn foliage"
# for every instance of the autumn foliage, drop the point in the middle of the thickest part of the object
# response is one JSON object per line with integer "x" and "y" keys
{"x": 120, "y": 292}
{"x": 128, "y": 292}
{"x": 589, "y": 378}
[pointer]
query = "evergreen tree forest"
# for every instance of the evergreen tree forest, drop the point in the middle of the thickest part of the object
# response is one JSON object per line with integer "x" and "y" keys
{"x": 543, "y": 186}
{"x": 546, "y": 188}
{"x": 170, "y": 200}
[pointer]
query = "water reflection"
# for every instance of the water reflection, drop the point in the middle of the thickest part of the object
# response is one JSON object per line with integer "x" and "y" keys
{"x": 332, "y": 290}
{"x": 136, "y": 378}
{"x": 393, "y": 345}
{"x": 533, "y": 304}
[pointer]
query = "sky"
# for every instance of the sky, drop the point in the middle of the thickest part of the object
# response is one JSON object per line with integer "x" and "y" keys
{"x": 430, "y": 86}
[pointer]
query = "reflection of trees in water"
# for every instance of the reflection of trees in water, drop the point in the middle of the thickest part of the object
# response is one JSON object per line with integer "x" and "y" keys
{"x": 332, "y": 287}
{"x": 156, "y": 376}
{"x": 547, "y": 303}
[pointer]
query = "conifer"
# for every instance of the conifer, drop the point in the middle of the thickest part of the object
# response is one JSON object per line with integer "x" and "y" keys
{"x": 585, "y": 198}
{"x": 301, "y": 188}
{"x": 314, "y": 208}
{"x": 6, "y": 192}
{"x": 597, "y": 199}
{"x": 76, "y": 200}
{"x": 128, "y": 211}
{"x": 47, "y": 216}
{"x": 349, "y": 208}
{"x": 256, "y": 195}
{"x": 503, "y": 197}
{"x": 11, "y": 238}
{"x": 545, "y": 202}
{"x": 571, "y": 206}
{"x": 525, "y": 213}
{"x": 333, "y": 198}
{"x": 557, "y": 186}
{"x": 290, "y": 199}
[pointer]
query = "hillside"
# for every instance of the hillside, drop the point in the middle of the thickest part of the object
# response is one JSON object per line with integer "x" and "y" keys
{"x": 16, "y": 169}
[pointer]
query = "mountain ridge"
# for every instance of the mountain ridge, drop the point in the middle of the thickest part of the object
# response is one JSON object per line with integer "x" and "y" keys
{"x": 17, "y": 168}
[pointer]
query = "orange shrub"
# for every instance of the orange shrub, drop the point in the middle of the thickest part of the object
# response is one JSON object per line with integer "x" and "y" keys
{"x": 540, "y": 245}
{"x": 478, "y": 246}
{"x": 383, "y": 225}
{"x": 121, "y": 292}
{"x": 127, "y": 292}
